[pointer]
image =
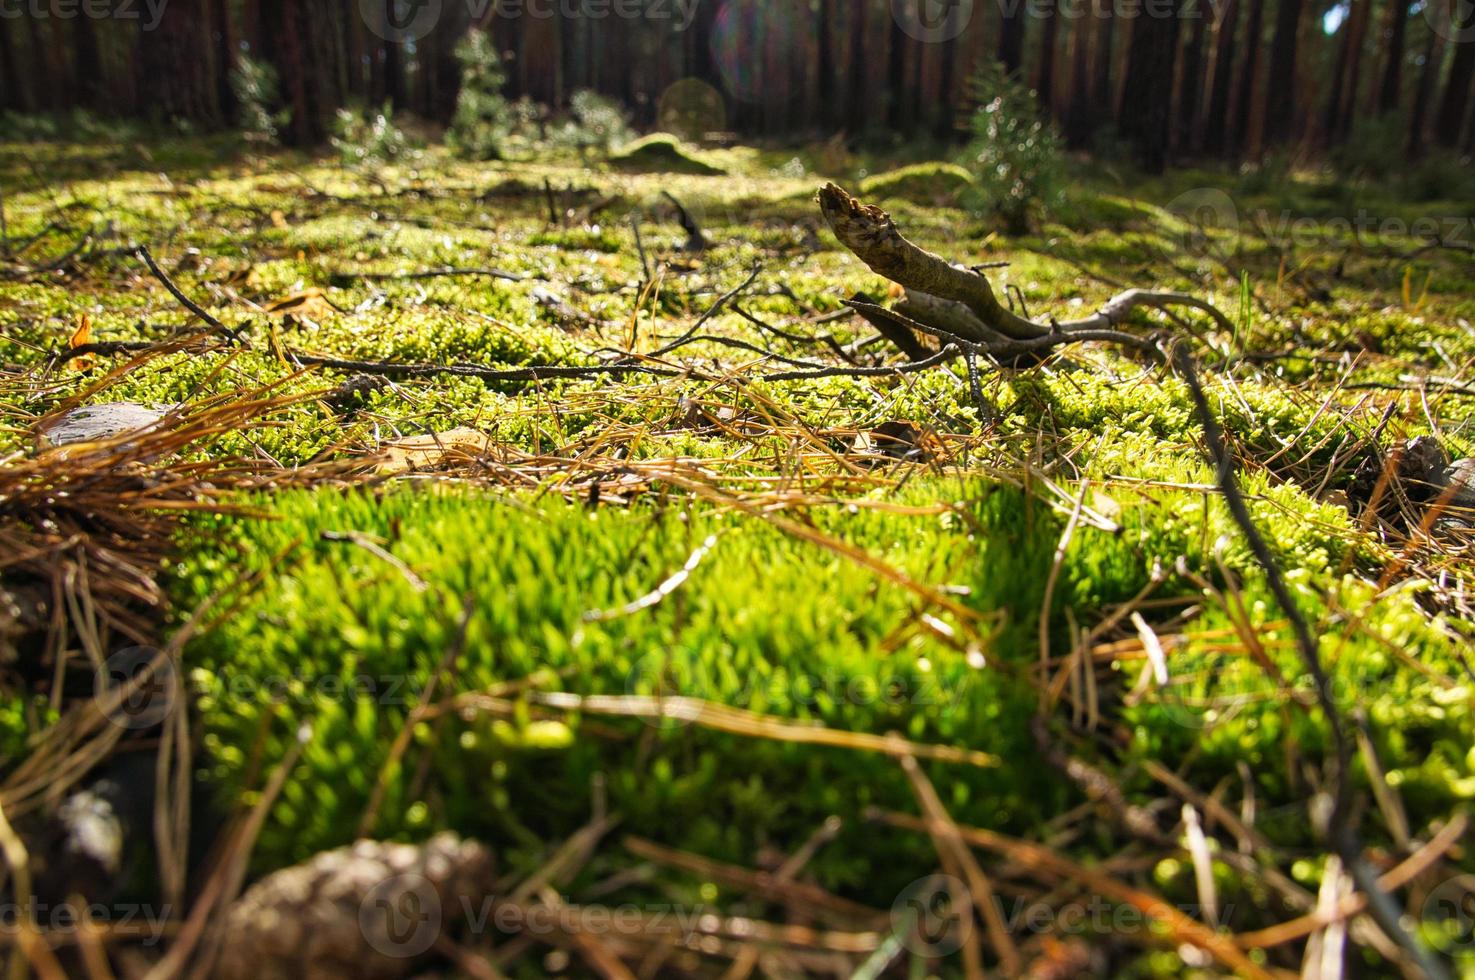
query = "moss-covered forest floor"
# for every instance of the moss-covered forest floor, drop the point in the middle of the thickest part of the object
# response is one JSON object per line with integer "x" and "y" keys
{"x": 710, "y": 648}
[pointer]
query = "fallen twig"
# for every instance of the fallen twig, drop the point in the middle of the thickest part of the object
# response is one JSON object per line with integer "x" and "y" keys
{"x": 148, "y": 259}
{"x": 1339, "y": 829}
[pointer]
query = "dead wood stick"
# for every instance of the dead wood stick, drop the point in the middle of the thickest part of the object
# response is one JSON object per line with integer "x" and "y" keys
{"x": 435, "y": 274}
{"x": 870, "y": 233}
{"x": 148, "y": 259}
{"x": 695, "y": 240}
{"x": 1340, "y": 830}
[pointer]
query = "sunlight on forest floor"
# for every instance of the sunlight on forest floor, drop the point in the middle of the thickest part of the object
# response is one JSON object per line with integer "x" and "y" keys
{"x": 861, "y": 552}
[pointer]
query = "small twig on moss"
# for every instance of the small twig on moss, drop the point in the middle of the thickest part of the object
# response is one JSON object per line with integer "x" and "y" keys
{"x": 948, "y": 353}
{"x": 435, "y": 274}
{"x": 660, "y": 592}
{"x": 148, "y": 259}
{"x": 640, "y": 248}
{"x": 695, "y": 240}
{"x": 553, "y": 216}
{"x": 393, "y": 369}
{"x": 712, "y": 311}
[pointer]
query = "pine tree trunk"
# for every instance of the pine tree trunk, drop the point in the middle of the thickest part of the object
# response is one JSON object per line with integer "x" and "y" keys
{"x": 1103, "y": 88}
{"x": 1449, "y": 122}
{"x": 1189, "y": 111}
{"x": 896, "y": 80}
{"x": 1148, "y": 88}
{"x": 1390, "y": 90}
{"x": 826, "y": 82}
{"x": 1212, "y": 135}
{"x": 16, "y": 94}
{"x": 860, "y": 107}
{"x": 947, "y": 117}
{"x": 1045, "y": 69}
{"x": 1280, "y": 102}
{"x": 176, "y": 66}
{"x": 1243, "y": 110}
{"x": 1341, "y": 102}
{"x": 1078, "y": 117}
{"x": 1428, "y": 80}
{"x": 1011, "y": 35}
{"x": 90, "y": 78}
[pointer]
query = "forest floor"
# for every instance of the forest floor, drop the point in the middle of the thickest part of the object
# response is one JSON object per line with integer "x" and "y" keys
{"x": 771, "y": 667}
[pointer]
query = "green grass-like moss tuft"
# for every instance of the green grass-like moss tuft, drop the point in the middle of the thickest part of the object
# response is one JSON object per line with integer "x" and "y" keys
{"x": 662, "y": 153}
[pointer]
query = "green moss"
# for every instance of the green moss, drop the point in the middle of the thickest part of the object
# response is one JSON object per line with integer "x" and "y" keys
{"x": 661, "y": 153}
{"x": 921, "y": 183}
{"x": 748, "y": 632}
{"x": 766, "y": 621}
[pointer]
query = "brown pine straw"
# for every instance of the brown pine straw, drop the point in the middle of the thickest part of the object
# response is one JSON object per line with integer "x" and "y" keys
{"x": 761, "y": 883}
{"x": 960, "y": 862}
{"x": 1180, "y": 927}
{"x": 1407, "y": 870}
{"x": 735, "y": 721}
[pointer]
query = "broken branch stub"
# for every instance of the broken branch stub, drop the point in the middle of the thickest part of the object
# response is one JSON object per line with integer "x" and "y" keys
{"x": 870, "y": 233}
{"x": 952, "y": 302}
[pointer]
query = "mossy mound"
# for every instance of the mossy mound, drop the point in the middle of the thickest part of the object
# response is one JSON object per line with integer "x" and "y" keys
{"x": 921, "y": 183}
{"x": 346, "y": 641}
{"x": 662, "y": 153}
{"x": 343, "y": 641}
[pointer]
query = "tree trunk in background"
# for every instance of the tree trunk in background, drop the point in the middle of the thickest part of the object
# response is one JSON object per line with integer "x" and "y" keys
{"x": 1243, "y": 109}
{"x": 396, "y": 80}
{"x": 1149, "y": 88}
{"x": 1011, "y": 35}
{"x": 44, "y": 64}
{"x": 1188, "y": 114}
{"x": 1212, "y": 135}
{"x": 1103, "y": 89}
{"x": 437, "y": 73}
{"x": 1280, "y": 102}
{"x": 90, "y": 84}
{"x": 281, "y": 44}
{"x": 1391, "y": 88}
{"x": 703, "y": 66}
{"x": 16, "y": 95}
{"x": 824, "y": 29}
{"x": 223, "y": 28}
{"x": 1044, "y": 82}
{"x": 919, "y": 112}
{"x": 1342, "y": 96}
{"x": 176, "y": 66}
{"x": 896, "y": 80}
{"x": 947, "y": 117}
{"x": 860, "y": 107}
{"x": 1449, "y": 122}
{"x": 1428, "y": 81}
{"x": 1078, "y": 114}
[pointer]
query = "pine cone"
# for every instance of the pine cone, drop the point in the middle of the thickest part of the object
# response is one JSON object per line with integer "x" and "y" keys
{"x": 372, "y": 911}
